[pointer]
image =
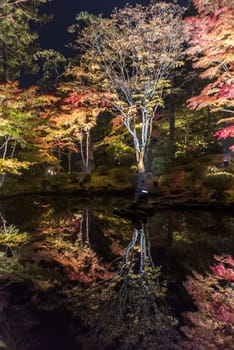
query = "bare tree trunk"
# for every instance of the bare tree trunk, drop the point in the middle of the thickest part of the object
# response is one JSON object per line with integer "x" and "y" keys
{"x": 69, "y": 160}
{"x": 87, "y": 151}
{"x": 87, "y": 154}
{"x": 4, "y": 156}
{"x": 140, "y": 161}
{"x": 172, "y": 129}
{"x": 59, "y": 157}
{"x": 86, "y": 228}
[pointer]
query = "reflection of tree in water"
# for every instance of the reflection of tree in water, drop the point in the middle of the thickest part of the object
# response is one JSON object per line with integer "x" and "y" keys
{"x": 3, "y": 221}
{"x": 67, "y": 243}
{"x": 58, "y": 253}
{"x": 128, "y": 311}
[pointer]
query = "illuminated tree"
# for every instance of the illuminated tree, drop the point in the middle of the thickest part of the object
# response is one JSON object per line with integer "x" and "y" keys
{"x": 135, "y": 297}
{"x": 19, "y": 118}
{"x": 210, "y": 38}
{"x": 130, "y": 55}
{"x": 70, "y": 125}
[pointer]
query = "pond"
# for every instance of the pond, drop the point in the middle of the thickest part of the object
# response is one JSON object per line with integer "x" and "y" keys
{"x": 75, "y": 274}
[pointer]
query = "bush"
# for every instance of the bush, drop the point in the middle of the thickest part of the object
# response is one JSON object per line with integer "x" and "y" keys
{"x": 219, "y": 181}
{"x": 102, "y": 170}
{"x": 164, "y": 180}
{"x": 121, "y": 175}
{"x": 159, "y": 165}
{"x": 162, "y": 157}
{"x": 85, "y": 178}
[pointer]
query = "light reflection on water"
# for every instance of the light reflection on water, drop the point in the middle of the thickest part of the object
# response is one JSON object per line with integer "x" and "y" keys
{"x": 180, "y": 240}
{"x": 88, "y": 239}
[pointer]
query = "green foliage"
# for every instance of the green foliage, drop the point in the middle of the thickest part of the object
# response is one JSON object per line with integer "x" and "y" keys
{"x": 11, "y": 237}
{"x": 17, "y": 40}
{"x": 119, "y": 152}
{"x": 162, "y": 155}
{"x": 55, "y": 255}
{"x": 194, "y": 132}
{"x": 102, "y": 170}
{"x": 51, "y": 63}
{"x": 121, "y": 174}
{"x": 13, "y": 166}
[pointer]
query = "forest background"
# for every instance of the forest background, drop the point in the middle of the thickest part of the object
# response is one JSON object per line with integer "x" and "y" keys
{"x": 64, "y": 128}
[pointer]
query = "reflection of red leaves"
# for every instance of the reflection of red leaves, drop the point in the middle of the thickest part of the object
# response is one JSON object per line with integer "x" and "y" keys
{"x": 81, "y": 265}
{"x": 86, "y": 268}
{"x": 223, "y": 272}
{"x": 220, "y": 312}
{"x": 211, "y": 326}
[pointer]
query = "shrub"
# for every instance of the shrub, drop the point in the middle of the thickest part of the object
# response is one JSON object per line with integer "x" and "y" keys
{"x": 85, "y": 178}
{"x": 219, "y": 181}
{"x": 102, "y": 170}
{"x": 163, "y": 153}
{"x": 121, "y": 174}
{"x": 159, "y": 165}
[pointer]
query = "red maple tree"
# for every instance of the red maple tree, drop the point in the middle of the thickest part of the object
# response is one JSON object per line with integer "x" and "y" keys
{"x": 210, "y": 39}
{"x": 70, "y": 124}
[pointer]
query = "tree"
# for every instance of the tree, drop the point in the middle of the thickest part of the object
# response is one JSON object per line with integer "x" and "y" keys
{"x": 210, "y": 39}
{"x": 130, "y": 55}
{"x": 19, "y": 119}
{"x": 20, "y": 52}
{"x": 17, "y": 40}
{"x": 211, "y": 326}
{"x": 135, "y": 296}
{"x": 70, "y": 124}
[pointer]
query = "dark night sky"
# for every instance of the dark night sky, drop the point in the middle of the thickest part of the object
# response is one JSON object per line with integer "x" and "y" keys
{"x": 54, "y": 34}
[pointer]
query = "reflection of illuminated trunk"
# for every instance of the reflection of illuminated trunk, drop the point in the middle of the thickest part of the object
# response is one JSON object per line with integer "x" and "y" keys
{"x": 137, "y": 253}
{"x": 85, "y": 226}
{"x": 4, "y": 222}
{"x": 131, "y": 305}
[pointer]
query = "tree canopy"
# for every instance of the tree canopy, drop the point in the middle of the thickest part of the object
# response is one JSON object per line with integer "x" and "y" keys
{"x": 210, "y": 36}
{"x": 130, "y": 55}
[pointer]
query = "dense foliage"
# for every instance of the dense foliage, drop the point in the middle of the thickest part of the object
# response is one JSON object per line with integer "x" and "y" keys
{"x": 131, "y": 55}
{"x": 210, "y": 39}
{"x": 211, "y": 326}
{"x": 127, "y": 66}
